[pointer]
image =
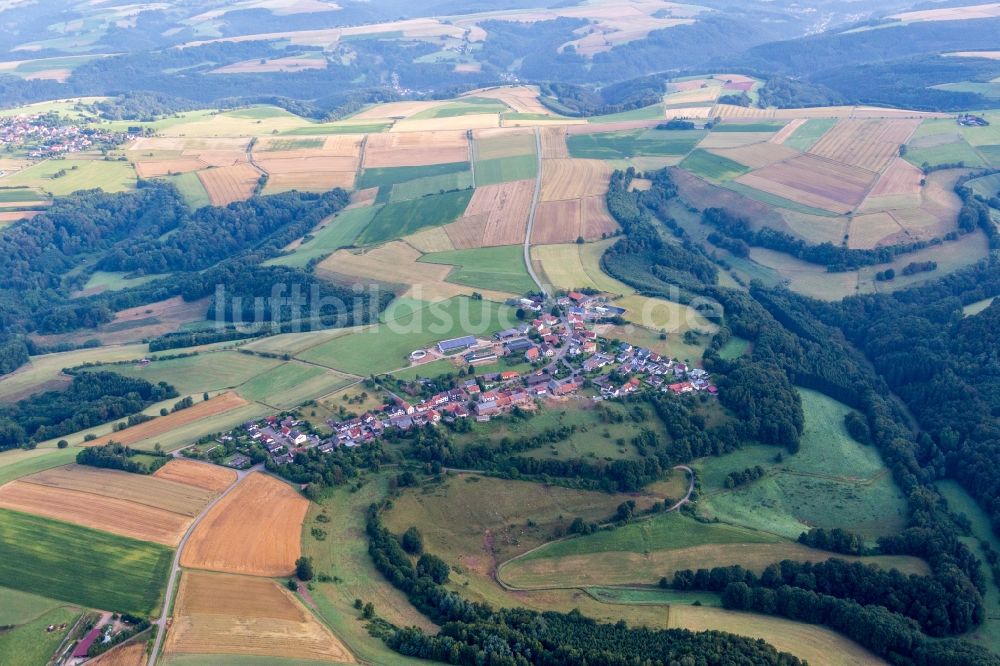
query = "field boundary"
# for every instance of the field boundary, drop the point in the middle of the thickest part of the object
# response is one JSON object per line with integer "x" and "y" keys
{"x": 531, "y": 214}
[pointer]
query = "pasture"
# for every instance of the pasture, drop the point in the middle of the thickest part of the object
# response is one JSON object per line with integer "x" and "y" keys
{"x": 345, "y": 555}
{"x": 386, "y": 347}
{"x": 402, "y": 218}
{"x": 293, "y": 383}
{"x": 496, "y": 268}
{"x": 254, "y": 530}
{"x": 390, "y": 175}
{"x": 81, "y": 566}
{"x": 59, "y": 177}
{"x": 806, "y": 133}
{"x": 831, "y": 481}
{"x": 422, "y": 187}
{"x": 628, "y": 144}
{"x": 712, "y": 166}
{"x": 21, "y": 462}
{"x": 337, "y": 232}
{"x": 237, "y": 615}
{"x": 928, "y": 151}
{"x": 506, "y": 169}
{"x": 32, "y": 643}
{"x": 212, "y": 371}
{"x": 18, "y": 607}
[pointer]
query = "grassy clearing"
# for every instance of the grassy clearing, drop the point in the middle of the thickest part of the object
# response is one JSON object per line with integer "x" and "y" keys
{"x": 32, "y": 643}
{"x": 833, "y": 481}
{"x": 497, "y": 268}
{"x": 21, "y": 462}
{"x": 975, "y": 308}
{"x": 392, "y": 175}
{"x": 116, "y": 281}
{"x": 406, "y": 217}
{"x": 80, "y": 565}
{"x": 18, "y": 607}
{"x": 202, "y": 372}
{"x": 386, "y": 347}
{"x": 291, "y": 384}
{"x": 624, "y": 145}
{"x": 646, "y": 596}
{"x": 46, "y": 371}
{"x": 809, "y": 133}
{"x": 191, "y": 189}
{"x": 340, "y": 231}
{"x": 422, "y": 187}
{"x": 506, "y": 169}
{"x": 735, "y": 348}
{"x": 113, "y": 176}
{"x": 343, "y": 553}
{"x": 713, "y": 167}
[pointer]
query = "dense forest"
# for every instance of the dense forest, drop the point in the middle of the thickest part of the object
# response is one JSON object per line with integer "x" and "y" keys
{"x": 92, "y": 398}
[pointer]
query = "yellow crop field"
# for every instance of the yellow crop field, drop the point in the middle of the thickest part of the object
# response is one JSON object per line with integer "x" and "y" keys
{"x": 198, "y": 474}
{"x": 231, "y": 183}
{"x": 254, "y": 530}
{"x": 415, "y": 149}
{"x": 241, "y": 615}
{"x": 574, "y": 179}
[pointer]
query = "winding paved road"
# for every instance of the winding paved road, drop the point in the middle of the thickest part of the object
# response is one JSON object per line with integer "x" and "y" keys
{"x": 531, "y": 215}
{"x": 175, "y": 566}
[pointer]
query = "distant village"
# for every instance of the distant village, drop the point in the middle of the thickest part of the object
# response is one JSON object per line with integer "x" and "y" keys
{"x": 46, "y": 135}
{"x": 568, "y": 360}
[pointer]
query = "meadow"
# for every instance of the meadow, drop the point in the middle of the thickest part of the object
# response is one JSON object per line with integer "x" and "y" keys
{"x": 293, "y": 383}
{"x": 402, "y": 218}
{"x": 386, "y": 347}
{"x": 385, "y": 176}
{"x": 506, "y": 169}
{"x": 623, "y": 145}
{"x": 31, "y": 642}
{"x": 498, "y": 268}
{"x": 202, "y": 372}
{"x": 17, "y": 607}
{"x": 77, "y": 174}
{"x": 336, "y": 233}
{"x": 832, "y": 481}
{"x": 81, "y": 566}
{"x": 21, "y": 462}
{"x": 713, "y": 167}
{"x": 191, "y": 188}
{"x": 428, "y": 185}
{"x": 808, "y": 133}
{"x": 944, "y": 153}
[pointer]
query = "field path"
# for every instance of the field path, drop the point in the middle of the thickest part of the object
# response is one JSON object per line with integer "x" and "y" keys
{"x": 513, "y": 588}
{"x": 175, "y": 566}
{"x": 531, "y": 214}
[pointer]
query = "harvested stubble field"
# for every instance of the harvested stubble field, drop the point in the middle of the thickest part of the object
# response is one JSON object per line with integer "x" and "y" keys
{"x": 813, "y": 181}
{"x": 254, "y": 530}
{"x": 98, "y": 512}
{"x": 164, "y": 424}
{"x": 447, "y": 123}
{"x": 874, "y": 229}
{"x": 157, "y": 168}
{"x": 574, "y": 179}
{"x": 209, "y": 477}
{"x": 790, "y": 128}
{"x": 228, "y": 184}
{"x": 900, "y": 179}
{"x": 554, "y": 143}
{"x": 152, "y": 491}
{"x": 415, "y": 149}
{"x": 869, "y": 144}
{"x": 572, "y": 266}
{"x": 556, "y": 222}
{"x": 496, "y": 215}
{"x": 133, "y": 654}
{"x": 434, "y": 239}
{"x": 489, "y": 144}
{"x": 757, "y": 155}
{"x": 240, "y": 615}
{"x": 735, "y": 139}
{"x": 521, "y": 99}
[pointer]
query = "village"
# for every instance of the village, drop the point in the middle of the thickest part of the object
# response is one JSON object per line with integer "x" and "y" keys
{"x": 568, "y": 361}
{"x": 45, "y": 135}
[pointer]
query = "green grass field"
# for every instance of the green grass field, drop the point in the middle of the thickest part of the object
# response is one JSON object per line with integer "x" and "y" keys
{"x": 191, "y": 189}
{"x": 991, "y": 154}
{"x": 21, "y": 462}
{"x": 291, "y": 144}
{"x": 948, "y": 153}
{"x": 651, "y": 596}
{"x": 392, "y": 175}
{"x": 340, "y": 231}
{"x": 79, "y": 175}
{"x": 653, "y": 112}
{"x": 203, "y": 372}
{"x": 506, "y": 169}
{"x": 291, "y": 384}
{"x": 17, "y": 607}
{"x": 832, "y": 481}
{"x": 809, "y": 133}
{"x": 713, "y": 167}
{"x": 82, "y": 566}
{"x": 499, "y": 268}
{"x": 761, "y": 126}
{"x": 734, "y": 348}
{"x": 465, "y": 107}
{"x": 344, "y": 554}
{"x": 986, "y": 187}
{"x": 32, "y": 643}
{"x": 19, "y": 195}
{"x": 426, "y": 370}
{"x": 116, "y": 281}
{"x": 387, "y": 346}
{"x": 406, "y": 217}
{"x": 624, "y": 145}
{"x": 422, "y": 187}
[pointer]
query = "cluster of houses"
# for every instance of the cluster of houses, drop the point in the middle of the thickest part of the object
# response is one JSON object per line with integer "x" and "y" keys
{"x": 282, "y": 439}
{"x": 644, "y": 366}
{"x": 969, "y": 120}
{"x": 47, "y": 136}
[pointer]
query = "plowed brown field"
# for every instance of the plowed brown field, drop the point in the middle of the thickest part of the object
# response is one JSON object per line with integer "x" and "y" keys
{"x": 256, "y": 529}
{"x": 241, "y": 615}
